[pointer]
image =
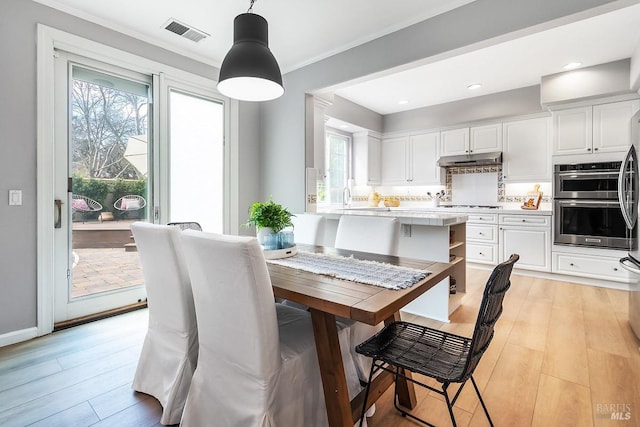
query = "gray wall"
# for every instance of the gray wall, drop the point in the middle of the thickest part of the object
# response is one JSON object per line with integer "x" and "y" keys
{"x": 283, "y": 126}
{"x": 355, "y": 114}
{"x": 589, "y": 82}
{"x": 634, "y": 77}
{"x": 18, "y": 19}
{"x": 510, "y": 103}
{"x": 250, "y": 160}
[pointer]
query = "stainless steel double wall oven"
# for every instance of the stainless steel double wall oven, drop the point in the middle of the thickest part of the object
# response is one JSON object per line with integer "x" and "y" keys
{"x": 588, "y": 207}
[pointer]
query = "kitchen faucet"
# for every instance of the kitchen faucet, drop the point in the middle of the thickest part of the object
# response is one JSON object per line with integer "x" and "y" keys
{"x": 346, "y": 197}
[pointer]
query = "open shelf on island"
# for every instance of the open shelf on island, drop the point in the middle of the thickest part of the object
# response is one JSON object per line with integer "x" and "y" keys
{"x": 455, "y": 245}
{"x": 456, "y": 260}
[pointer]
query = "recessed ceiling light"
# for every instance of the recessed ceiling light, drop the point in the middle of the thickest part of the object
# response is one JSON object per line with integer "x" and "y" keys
{"x": 572, "y": 65}
{"x": 403, "y": 102}
{"x": 344, "y": 126}
{"x": 474, "y": 86}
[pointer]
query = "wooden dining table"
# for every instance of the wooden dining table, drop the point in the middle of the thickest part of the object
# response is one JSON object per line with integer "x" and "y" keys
{"x": 328, "y": 297}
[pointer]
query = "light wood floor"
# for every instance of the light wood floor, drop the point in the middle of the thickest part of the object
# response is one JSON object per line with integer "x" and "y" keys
{"x": 563, "y": 354}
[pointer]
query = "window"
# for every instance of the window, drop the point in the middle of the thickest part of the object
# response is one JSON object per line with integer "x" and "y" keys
{"x": 338, "y": 163}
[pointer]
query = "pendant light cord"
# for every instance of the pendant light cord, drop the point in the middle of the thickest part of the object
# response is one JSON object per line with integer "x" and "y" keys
{"x": 251, "y": 6}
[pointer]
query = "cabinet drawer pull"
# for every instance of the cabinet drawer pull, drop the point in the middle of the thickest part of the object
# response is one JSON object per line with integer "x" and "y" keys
{"x": 615, "y": 269}
{"x": 571, "y": 264}
{"x": 524, "y": 220}
{"x": 480, "y": 234}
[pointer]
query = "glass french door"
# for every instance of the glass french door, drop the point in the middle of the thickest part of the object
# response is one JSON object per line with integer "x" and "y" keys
{"x": 196, "y": 159}
{"x": 103, "y": 183}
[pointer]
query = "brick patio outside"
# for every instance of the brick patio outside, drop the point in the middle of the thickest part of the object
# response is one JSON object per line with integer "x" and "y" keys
{"x": 104, "y": 269}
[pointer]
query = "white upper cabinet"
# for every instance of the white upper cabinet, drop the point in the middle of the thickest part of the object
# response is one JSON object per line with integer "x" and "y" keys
{"x": 423, "y": 159}
{"x": 572, "y": 131}
{"x": 394, "y": 161}
{"x": 526, "y": 150}
{"x": 454, "y": 142}
{"x": 366, "y": 159}
{"x": 612, "y": 125}
{"x": 477, "y": 139}
{"x": 593, "y": 129}
{"x": 486, "y": 139}
{"x": 411, "y": 160}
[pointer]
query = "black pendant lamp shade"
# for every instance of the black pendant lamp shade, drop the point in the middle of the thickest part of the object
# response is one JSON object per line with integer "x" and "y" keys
{"x": 249, "y": 72}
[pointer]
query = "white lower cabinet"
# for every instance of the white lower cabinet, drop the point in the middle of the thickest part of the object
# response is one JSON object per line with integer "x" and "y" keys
{"x": 482, "y": 238}
{"x": 528, "y": 236}
{"x": 482, "y": 233}
{"x": 480, "y": 253}
{"x": 596, "y": 267}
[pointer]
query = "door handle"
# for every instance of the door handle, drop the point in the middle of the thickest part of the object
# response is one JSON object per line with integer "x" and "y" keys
{"x": 57, "y": 218}
{"x": 623, "y": 264}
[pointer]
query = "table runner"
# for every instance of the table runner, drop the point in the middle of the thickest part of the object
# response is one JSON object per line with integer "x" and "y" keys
{"x": 356, "y": 270}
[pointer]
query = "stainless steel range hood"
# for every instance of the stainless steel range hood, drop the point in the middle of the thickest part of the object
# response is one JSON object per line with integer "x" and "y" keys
{"x": 479, "y": 159}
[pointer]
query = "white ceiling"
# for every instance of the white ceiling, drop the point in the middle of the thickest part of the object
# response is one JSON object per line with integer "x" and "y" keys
{"x": 510, "y": 65}
{"x": 300, "y": 32}
{"x": 295, "y": 26}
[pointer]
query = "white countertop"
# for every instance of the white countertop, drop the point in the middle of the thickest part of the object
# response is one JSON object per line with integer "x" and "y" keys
{"x": 419, "y": 214}
{"x": 414, "y": 217}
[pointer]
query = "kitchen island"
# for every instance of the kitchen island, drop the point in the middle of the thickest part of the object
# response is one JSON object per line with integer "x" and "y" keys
{"x": 424, "y": 235}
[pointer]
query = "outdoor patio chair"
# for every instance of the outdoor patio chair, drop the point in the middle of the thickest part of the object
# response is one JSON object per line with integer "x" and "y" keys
{"x": 129, "y": 203}
{"x": 192, "y": 225}
{"x": 445, "y": 357}
{"x": 83, "y": 204}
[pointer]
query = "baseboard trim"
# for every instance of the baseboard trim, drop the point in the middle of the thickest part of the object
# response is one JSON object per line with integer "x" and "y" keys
{"x": 18, "y": 336}
{"x": 602, "y": 283}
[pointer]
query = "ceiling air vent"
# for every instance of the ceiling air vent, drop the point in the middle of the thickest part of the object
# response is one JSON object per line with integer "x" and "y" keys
{"x": 184, "y": 30}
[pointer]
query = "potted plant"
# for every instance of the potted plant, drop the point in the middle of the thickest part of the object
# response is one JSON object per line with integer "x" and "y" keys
{"x": 268, "y": 218}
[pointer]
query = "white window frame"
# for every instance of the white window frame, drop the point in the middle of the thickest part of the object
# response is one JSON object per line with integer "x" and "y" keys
{"x": 349, "y": 161}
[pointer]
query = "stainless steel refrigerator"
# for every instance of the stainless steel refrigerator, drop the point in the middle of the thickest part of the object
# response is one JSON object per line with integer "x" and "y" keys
{"x": 628, "y": 184}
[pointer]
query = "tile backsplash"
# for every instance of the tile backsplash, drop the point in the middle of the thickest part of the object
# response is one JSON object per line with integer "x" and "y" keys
{"x": 506, "y": 193}
{"x": 473, "y": 170}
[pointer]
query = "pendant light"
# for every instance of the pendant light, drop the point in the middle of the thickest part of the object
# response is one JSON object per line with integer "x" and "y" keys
{"x": 250, "y": 72}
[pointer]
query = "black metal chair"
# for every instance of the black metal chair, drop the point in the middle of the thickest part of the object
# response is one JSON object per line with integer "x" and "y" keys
{"x": 187, "y": 225}
{"x": 448, "y": 358}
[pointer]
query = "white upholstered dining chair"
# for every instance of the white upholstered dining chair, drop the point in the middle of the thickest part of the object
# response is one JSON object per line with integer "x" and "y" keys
{"x": 308, "y": 229}
{"x": 377, "y": 235}
{"x": 170, "y": 350}
{"x": 259, "y": 368}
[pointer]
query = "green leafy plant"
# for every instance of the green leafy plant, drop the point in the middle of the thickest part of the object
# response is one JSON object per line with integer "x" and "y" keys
{"x": 269, "y": 214}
